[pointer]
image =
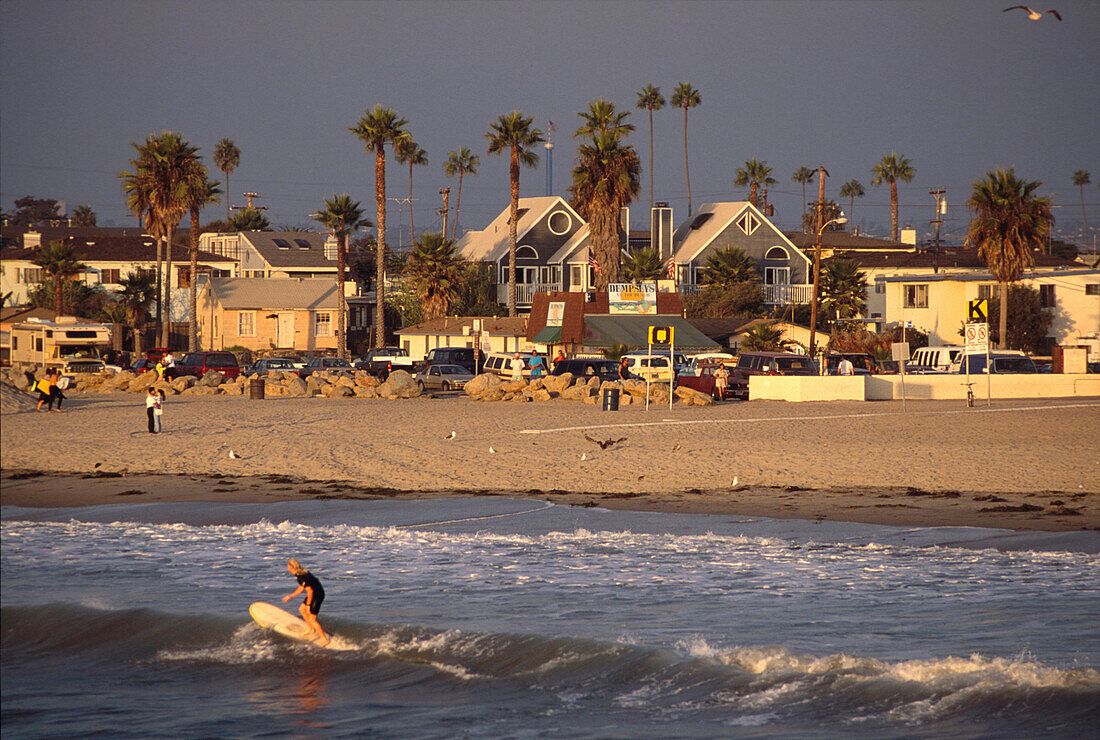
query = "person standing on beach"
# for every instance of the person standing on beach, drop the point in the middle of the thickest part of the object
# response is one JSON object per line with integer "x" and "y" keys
{"x": 538, "y": 364}
{"x": 721, "y": 380}
{"x": 315, "y": 594}
{"x": 152, "y": 398}
{"x": 558, "y": 357}
{"x": 158, "y": 409}
{"x": 517, "y": 367}
{"x": 624, "y": 369}
{"x": 845, "y": 367}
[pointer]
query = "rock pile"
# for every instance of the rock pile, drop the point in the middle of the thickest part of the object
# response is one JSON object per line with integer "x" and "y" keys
{"x": 489, "y": 387}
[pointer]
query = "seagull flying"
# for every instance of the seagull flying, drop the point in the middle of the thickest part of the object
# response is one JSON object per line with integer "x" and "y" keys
{"x": 233, "y": 455}
{"x": 1034, "y": 15}
{"x": 452, "y": 435}
{"x": 605, "y": 443}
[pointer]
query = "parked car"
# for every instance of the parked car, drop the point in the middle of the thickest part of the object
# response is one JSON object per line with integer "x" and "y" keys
{"x": 500, "y": 363}
{"x": 200, "y": 363}
{"x": 707, "y": 359}
{"x": 381, "y": 361}
{"x": 443, "y": 378}
{"x": 933, "y": 359}
{"x": 862, "y": 363}
{"x": 272, "y": 364}
{"x": 1001, "y": 363}
{"x": 705, "y": 382}
{"x": 464, "y": 356}
{"x": 766, "y": 363}
{"x": 587, "y": 368}
{"x": 679, "y": 359}
{"x": 655, "y": 368}
{"x": 325, "y": 363}
{"x": 142, "y": 365}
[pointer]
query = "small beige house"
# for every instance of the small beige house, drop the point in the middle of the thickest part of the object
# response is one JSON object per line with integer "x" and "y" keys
{"x": 261, "y": 314}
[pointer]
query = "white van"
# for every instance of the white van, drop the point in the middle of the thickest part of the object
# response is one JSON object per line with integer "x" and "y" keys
{"x": 500, "y": 363}
{"x": 934, "y": 359}
{"x": 655, "y": 368}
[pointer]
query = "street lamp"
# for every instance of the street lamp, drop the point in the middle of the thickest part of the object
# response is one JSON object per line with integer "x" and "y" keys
{"x": 841, "y": 220}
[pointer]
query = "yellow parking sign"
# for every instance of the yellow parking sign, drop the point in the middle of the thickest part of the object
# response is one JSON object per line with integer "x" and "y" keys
{"x": 977, "y": 310}
{"x": 660, "y": 335}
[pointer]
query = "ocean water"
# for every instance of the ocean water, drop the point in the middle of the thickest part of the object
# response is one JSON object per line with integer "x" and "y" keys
{"x": 508, "y": 618}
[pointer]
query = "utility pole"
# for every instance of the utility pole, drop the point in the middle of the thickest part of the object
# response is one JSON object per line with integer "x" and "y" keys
{"x": 940, "y": 194}
{"x": 250, "y": 196}
{"x": 402, "y": 202}
{"x": 446, "y": 209}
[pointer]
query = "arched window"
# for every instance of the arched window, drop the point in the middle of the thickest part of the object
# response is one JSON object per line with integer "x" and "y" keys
{"x": 526, "y": 252}
{"x": 776, "y": 253}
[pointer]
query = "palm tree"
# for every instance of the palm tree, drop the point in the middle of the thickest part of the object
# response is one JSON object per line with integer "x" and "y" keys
{"x": 685, "y": 96}
{"x": 602, "y": 117}
{"x": 605, "y": 180}
{"x": 226, "y": 158}
{"x": 851, "y": 190}
{"x": 763, "y": 338}
{"x": 201, "y": 191}
{"x": 460, "y": 163}
{"x": 512, "y": 131}
{"x": 161, "y": 171}
{"x": 641, "y": 265}
{"x": 407, "y": 151}
{"x": 891, "y": 168}
{"x": 435, "y": 272}
{"x": 1010, "y": 223}
{"x": 342, "y": 215}
{"x": 59, "y": 263}
{"x": 1081, "y": 179}
{"x": 803, "y": 175}
{"x": 650, "y": 99}
{"x": 754, "y": 174}
{"x": 844, "y": 287}
{"x": 727, "y": 267}
{"x": 249, "y": 219}
{"x": 138, "y": 290}
{"x": 85, "y": 216}
{"x": 376, "y": 128}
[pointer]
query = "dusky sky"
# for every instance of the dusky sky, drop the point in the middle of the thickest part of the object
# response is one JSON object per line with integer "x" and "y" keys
{"x": 957, "y": 87}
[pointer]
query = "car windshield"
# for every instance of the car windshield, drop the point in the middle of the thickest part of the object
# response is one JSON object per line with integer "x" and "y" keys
{"x": 453, "y": 370}
{"x": 792, "y": 363}
{"x": 191, "y": 358}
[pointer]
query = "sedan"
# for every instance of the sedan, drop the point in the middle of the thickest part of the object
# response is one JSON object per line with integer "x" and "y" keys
{"x": 272, "y": 364}
{"x": 443, "y": 377}
{"x": 326, "y": 363}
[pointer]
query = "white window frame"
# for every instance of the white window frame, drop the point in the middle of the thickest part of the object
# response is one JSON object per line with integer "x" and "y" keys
{"x": 246, "y": 323}
{"x": 777, "y": 272}
{"x": 919, "y": 290}
{"x": 322, "y": 324}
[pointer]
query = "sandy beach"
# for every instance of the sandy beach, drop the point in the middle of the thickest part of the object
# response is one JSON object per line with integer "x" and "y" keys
{"x": 1024, "y": 465}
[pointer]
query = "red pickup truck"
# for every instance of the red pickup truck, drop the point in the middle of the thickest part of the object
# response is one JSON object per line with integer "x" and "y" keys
{"x": 704, "y": 382}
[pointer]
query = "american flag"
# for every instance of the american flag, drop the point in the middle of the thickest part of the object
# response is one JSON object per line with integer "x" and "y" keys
{"x": 595, "y": 265}
{"x": 671, "y": 268}
{"x": 553, "y": 126}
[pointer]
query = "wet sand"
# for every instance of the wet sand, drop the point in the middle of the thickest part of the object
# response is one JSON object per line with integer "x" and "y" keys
{"x": 1023, "y": 465}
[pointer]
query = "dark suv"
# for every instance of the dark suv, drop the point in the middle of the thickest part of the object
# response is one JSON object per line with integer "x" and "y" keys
{"x": 766, "y": 363}
{"x": 200, "y": 363}
{"x": 464, "y": 356}
{"x": 581, "y": 368}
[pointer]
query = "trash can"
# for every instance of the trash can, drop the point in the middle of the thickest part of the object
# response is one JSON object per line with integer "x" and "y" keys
{"x": 610, "y": 399}
{"x": 256, "y": 389}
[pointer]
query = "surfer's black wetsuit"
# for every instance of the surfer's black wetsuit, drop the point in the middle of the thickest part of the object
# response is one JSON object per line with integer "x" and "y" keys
{"x": 308, "y": 580}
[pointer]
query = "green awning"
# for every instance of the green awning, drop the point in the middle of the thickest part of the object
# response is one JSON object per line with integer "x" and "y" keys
{"x": 548, "y": 335}
{"x": 606, "y": 330}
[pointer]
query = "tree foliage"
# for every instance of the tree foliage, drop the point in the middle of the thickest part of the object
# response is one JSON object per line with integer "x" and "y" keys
{"x": 729, "y": 266}
{"x": 684, "y": 96}
{"x": 341, "y": 215}
{"x": 1028, "y": 322}
{"x": 754, "y": 174}
{"x": 642, "y": 265}
{"x": 891, "y": 168}
{"x": 461, "y": 163}
{"x": 843, "y": 289}
{"x": 60, "y": 264}
{"x": 249, "y": 219}
{"x": 719, "y": 301}
{"x": 435, "y": 272}
{"x": 31, "y": 211}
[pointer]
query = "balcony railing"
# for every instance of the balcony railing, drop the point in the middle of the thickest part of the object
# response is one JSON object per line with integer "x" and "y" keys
{"x": 525, "y": 292}
{"x": 778, "y": 295}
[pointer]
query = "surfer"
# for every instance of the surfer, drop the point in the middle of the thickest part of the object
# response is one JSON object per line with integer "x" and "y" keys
{"x": 315, "y": 594}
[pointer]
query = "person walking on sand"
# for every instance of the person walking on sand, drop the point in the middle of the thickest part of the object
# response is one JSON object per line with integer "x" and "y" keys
{"x": 43, "y": 388}
{"x": 152, "y": 398}
{"x": 721, "y": 380}
{"x": 315, "y": 594}
{"x": 517, "y": 367}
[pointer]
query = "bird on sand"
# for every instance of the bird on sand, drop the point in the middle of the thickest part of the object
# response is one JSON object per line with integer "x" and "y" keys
{"x": 452, "y": 435}
{"x": 492, "y": 451}
{"x": 584, "y": 456}
{"x": 1034, "y": 15}
{"x": 233, "y": 455}
{"x": 604, "y": 444}
{"x": 96, "y": 465}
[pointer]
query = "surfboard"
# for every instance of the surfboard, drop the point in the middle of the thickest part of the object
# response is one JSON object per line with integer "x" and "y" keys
{"x": 279, "y": 620}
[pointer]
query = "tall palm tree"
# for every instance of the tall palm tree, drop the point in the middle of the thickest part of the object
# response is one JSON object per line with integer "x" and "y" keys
{"x": 512, "y": 131}
{"x": 460, "y": 163}
{"x": 60, "y": 264}
{"x": 603, "y": 117}
{"x": 851, "y": 190}
{"x": 226, "y": 158}
{"x": 1081, "y": 179}
{"x": 844, "y": 287}
{"x": 407, "y": 151}
{"x": 201, "y": 191}
{"x": 342, "y": 215}
{"x": 1010, "y": 223}
{"x": 754, "y": 174}
{"x": 802, "y": 176}
{"x": 138, "y": 290}
{"x": 85, "y": 216}
{"x": 650, "y": 99}
{"x": 641, "y": 265}
{"x": 685, "y": 96}
{"x": 435, "y": 272}
{"x": 376, "y": 128}
{"x": 605, "y": 180}
{"x": 161, "y": 169}
{"x": 728, "y": 266}
{"x": 891, "y": 168}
